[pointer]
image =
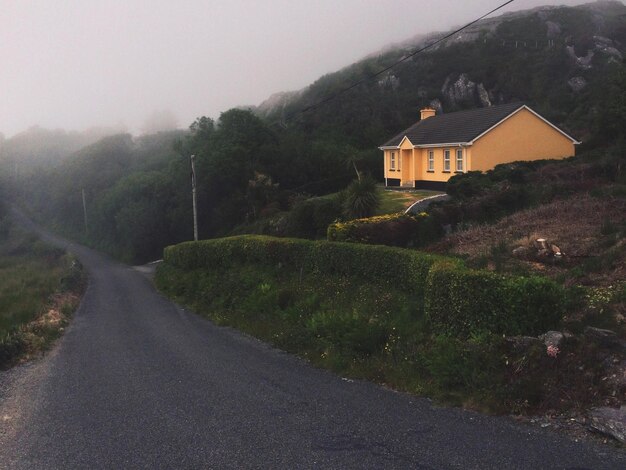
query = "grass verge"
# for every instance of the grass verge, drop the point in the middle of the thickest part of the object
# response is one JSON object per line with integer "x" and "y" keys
{"x": 392, "y": 201}
{"x": 40, "y": 288}
{"x": 362, "y": 327}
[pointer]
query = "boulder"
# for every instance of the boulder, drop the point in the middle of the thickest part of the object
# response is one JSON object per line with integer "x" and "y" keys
{"x": 609, "y": 421}
{"x": 523, "y": 343}
{"x": 541, "y": 244}
{"x": 552, "y": 338}
{"x": 521, "y": 252}
{"x": 606, "y": 338}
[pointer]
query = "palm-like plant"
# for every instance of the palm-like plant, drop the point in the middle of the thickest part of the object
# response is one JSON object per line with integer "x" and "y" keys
{"x": 361, "y": 198}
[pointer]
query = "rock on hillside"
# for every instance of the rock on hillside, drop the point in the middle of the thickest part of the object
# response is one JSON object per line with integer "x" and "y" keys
{"x": 552, "y": 57}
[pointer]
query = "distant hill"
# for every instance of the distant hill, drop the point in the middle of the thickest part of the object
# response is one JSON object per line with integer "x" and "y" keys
{"x": 40, "y": 146}
{"x": 557, "y": 59}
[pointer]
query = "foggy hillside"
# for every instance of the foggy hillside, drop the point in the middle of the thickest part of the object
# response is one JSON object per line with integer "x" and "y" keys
{"x": 567, "y": 63}
{"x": 554, "y": 58}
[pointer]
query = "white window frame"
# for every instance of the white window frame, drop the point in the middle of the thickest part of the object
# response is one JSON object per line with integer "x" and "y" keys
{"x": 392, "y": 161}
{"x": 446, "y": 160}
{"x": 431, "y": 160}
{"x": 459, "y": 159}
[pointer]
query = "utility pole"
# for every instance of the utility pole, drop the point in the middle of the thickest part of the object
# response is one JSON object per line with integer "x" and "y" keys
{"x": 85, "y": 210}
{"x": 193, "y": 193}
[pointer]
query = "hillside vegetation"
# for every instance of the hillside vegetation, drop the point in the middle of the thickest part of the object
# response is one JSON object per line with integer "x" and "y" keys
{"x": 567, "y": 63}
{"x": 467, "y": 322}
{"x": 40, "y": 287}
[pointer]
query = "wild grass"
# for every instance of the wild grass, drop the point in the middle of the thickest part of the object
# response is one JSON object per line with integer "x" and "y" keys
{"x": 397, "y": 201}
{"x": 392, "y": 201}
{"x": 38, "y": 286}
{"x": 378, "y": 332}
{"x": 589, "y": 230}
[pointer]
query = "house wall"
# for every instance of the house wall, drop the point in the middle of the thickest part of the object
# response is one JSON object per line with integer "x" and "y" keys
{"x": 438, "y": 174}
{"x": 414, "y": 166}
{"x": 523, "y": 136}
{"x": 404, "y": 167}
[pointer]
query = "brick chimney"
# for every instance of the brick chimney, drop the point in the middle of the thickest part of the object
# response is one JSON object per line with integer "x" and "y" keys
{"x": 427, "y": 112}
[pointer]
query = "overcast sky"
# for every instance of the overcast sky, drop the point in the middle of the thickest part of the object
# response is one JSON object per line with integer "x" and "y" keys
{"x": 75, "y": 64}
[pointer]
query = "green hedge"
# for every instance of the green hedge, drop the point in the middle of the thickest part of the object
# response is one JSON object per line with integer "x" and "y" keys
{"x": 462, "y": 302}
{"x": 310, "y": 218}
{"x": 399, "y": 229}
{"x": 405, "y": 269}
{"x": 457, "y": 300}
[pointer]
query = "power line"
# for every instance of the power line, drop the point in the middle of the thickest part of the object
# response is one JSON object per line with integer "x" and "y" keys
{"x": 332, "y": 96}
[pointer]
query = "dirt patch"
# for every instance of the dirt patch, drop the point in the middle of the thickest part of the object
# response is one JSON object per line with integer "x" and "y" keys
{"x": 582, "y": 226}
{"x": 40, "y": 333}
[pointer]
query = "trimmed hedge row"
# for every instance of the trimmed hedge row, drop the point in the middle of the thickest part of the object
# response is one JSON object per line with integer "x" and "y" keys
{"x": 398, "y": 229}
{"x": 457, "y": 301}
{"x": 407, "y": 270}
{"x": 462, "y": 302}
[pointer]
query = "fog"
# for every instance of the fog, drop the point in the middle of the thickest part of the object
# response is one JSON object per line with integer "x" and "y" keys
{"x": 76, "y": 64}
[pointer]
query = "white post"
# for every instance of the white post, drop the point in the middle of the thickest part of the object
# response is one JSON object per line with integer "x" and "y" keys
{"x": 193, "y": 193}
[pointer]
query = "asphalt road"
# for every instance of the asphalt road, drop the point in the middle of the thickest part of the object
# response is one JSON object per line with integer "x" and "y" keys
{"x": 137, "y": 382}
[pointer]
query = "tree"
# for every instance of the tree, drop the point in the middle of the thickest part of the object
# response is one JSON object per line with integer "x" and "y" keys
{"x": 351, "y": 157}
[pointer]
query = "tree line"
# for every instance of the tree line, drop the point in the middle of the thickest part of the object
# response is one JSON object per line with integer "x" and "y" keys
{"x": 250, "y": 167}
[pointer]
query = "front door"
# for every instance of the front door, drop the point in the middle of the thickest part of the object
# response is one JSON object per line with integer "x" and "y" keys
{"x": 406, "y": 169}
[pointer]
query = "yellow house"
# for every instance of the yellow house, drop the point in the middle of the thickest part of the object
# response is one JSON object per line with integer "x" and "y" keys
{"x": 437, "y": 147}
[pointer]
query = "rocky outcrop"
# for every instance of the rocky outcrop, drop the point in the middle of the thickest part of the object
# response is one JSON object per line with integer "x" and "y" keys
{"x": 601, "y": 45}
{"x": 553, "y": 29}
{"x": 389, "y": 81}
{"x": 607, "y": 46}
{"x": 436, "y": 105}
{"x": 463, "y": 91}
{"x": 577, "y": 83}
{"x": 552, "y": 338}
{"x": 583, "y": 62}
{"x": 539, "y": 250}
{"x": 278, "y": 101}
{"x": 483, "y": 95}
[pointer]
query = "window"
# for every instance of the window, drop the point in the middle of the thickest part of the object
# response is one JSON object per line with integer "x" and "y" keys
{"x": 431, "y": 160}
{"x": 399, "y": 161}
{"x": 393, "y": 161}
{"x": 459, "y": 160}
{"x": 446, "y": 160}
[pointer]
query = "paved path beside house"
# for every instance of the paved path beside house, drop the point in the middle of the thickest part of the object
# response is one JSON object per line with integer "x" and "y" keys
{"x": 137, "y": 382}
{"x": 422, "y": 204}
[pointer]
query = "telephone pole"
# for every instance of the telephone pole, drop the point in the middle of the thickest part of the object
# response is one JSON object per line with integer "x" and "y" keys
{"x": 193, "y": 193}
{"x": 85, "y": 209}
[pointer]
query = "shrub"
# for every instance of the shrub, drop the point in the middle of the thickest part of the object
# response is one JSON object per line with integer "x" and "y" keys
{"x": 463, "y": 302}
{"x": 311, "y": 217}
{"x": 399, "y": 229}
{"x": 468, "y": 185}
{"x": 402, "y": 268}
{"x": 457, "y": 301}
{"x": 11, "y": 346}
{"x": 356, "y": 334}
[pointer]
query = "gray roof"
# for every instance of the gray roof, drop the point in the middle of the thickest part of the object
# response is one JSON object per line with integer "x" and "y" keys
{"x": 462, "y": 126}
